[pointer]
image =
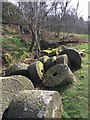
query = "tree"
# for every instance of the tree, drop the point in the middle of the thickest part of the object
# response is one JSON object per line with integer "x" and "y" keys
{"x": 10, "y": 13}
{"x": 35, "y": 15}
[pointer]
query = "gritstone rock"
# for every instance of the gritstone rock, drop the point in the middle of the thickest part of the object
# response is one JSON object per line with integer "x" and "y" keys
{"x": 62, "y": 59}
{"x": 11, "y": 86}
{"x": 74, "y": 58}
{"x": 35, "y": 104}
{"x": 35, "y": 71}
{"x": 58, "y": 74}
{"x": 19, "y": 69}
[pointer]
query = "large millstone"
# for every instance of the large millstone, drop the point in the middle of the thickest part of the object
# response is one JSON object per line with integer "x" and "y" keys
{"x": 62, "y": 59}
{"x": 35, "y": 71}
{"x": 11, "y": 86}
{"x": 58, "y": 74}
{"x": 19, "y": 69}
{"x": 35, "y": 104}
{"x": 74, "y": 58}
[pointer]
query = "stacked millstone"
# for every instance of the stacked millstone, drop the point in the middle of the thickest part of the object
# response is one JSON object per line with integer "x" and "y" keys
{"x": 11, "y": 86}
{"x": 35, "y": 104}
{"x": 59, "y": 69}
{"x": 20, "y": 100}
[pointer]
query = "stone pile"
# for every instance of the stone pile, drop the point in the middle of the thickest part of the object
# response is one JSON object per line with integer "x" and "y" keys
{"x": 20, "y": 99}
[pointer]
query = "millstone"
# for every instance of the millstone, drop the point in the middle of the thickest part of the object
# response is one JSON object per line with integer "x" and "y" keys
{"x": 35, "y": 104}
{"x": 50, "y": 62}
{"x": 62, "y": 59}
{"x": 11, "y": 86}
{"x": 19, "y": 69}
{"x": 35, "y": 71}
{"x": 74, "y": 58}
{"x": 58, "y": 74}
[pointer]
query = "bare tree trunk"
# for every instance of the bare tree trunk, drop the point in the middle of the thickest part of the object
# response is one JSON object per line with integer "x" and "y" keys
{"x": 38, "y": 50}
{"x": 35, "y": 39}
{"x": 32, "y": 43}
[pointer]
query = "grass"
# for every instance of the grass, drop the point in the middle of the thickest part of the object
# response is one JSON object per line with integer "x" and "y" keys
{"x": 75, "y": 98}
{"x": 82, "y": 36}
{"x": 14, "y": 47}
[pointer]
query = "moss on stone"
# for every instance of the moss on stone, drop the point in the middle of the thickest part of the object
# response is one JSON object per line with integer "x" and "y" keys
{"x": 57, "y": 74}
{"x": 11, "y": 86}
{"x": 36, "y": 104}
{"x": 35, "y": 71}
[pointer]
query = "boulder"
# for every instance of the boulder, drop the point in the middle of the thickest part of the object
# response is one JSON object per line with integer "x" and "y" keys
{"x": 35, "y": 104}
{"x": 11, "y": 86}
{"x": 57, "y": 74}
{"x": 74, "y": 58}
{"x": 62, "y": 59}
{"x": 35, "y": 71}
{"x": 19, "y": 69}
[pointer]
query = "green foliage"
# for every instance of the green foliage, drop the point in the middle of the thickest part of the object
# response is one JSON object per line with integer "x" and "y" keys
{"x": 10, "y": 13}
{"x": 82, "y": 36}
{"x": 14, "y": 46}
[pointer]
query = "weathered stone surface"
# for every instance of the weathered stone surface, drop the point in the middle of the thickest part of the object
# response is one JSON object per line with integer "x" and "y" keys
{"x": 45, "y": 52}
{"x": 58, "y": 74}
{"x": 35, "y": 71}
{"x": 74, "y": 58}
{"x": 50, "y": 62}
{"x": 82, "y": 54}
{"x": 44, "y": 59}
{"x": 54, "y": 52}
{"x": 19, "y": 69}
{"x": 36, "y": 104}
{"x": 11, "y": 86}
{"x": 62, "y": 59}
